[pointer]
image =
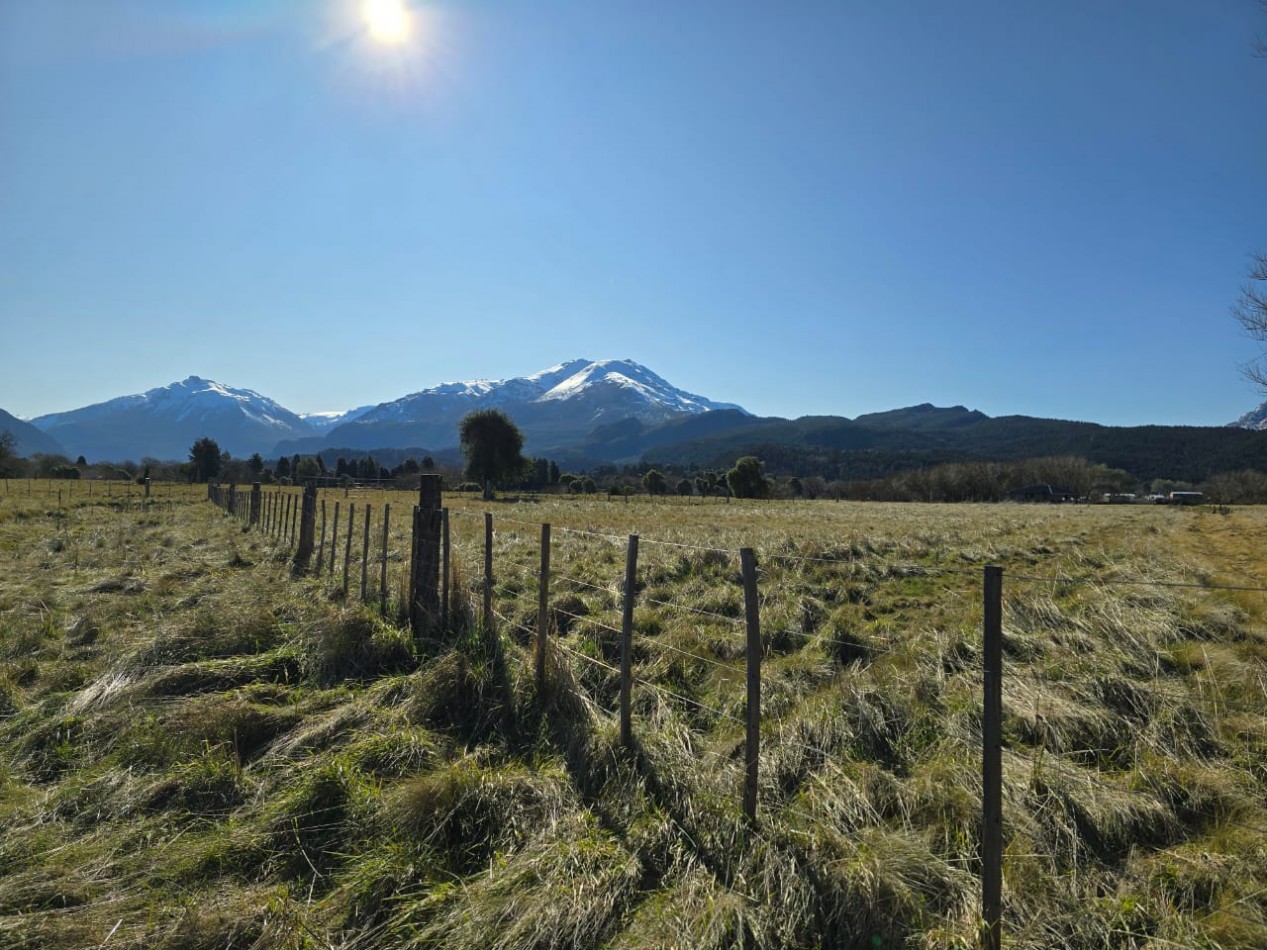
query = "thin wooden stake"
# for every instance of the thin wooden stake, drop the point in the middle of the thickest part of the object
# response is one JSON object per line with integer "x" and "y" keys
{"x": 992, "y": 763}
{"x": 488, "y": 570}
{"x": 321, "y": 545}
{"x": 365, "y": 557}
{"x": 752, "y": 750}
{"x": 626, "y": 642}
{"x": 334, "y": 540}
{"x": 347, "y": 547}
{"x": 444, "y": 569}
{"x": 543, "y": 608}
{"x": 382, "y": 581}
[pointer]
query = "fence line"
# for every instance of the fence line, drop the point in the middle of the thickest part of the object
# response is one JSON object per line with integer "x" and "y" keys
{"x": 550, "y": 611}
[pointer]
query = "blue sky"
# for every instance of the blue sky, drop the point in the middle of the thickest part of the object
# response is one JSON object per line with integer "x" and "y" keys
{"x": 802, "y": 207}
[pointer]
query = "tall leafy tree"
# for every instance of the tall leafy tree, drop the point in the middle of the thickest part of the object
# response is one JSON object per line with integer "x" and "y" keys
{"x": 204, "y": 455}
{"x": 8, "y": 450}
{"x": 745, "y": 480}
{"x": 654, "y": 482}
{"x": 492, "y": 446}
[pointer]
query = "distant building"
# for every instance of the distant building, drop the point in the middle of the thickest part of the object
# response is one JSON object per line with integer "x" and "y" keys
{"x": 1046, "y": 493}
{"x": 1185, "y": 498}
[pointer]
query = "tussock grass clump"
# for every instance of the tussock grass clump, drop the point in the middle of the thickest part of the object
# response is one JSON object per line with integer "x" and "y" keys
{"x": 568, "y": 886}
{"x": 463, "y": 693}
{"x": 212, "y": 676}
{"x": 354, "y": 644}
{"x": 208, "y": 787}
{"x": 472, "y": 809}
{"x": 312, "y": 823}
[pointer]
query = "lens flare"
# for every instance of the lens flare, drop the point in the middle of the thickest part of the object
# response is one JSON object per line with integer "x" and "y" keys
{"x": 388, "y": 21}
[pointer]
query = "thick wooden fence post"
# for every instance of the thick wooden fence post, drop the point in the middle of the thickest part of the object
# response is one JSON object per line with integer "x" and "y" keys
{"x": 347, "y": 546}
{"x": 231, "y": 507}
{"x": 365, "y": 555}
{"x": 382, "y": 580}
{"x": 626, "y": 642}
{"x": 488, "y": 570}
{"x": 992, "y": 764}
{"x": 256, "y": 498}
{"x": 752, "y": 750}
{"x": 307, "y": 528}
{"x": 424, "y": 605}
{"x": 444, "y": 569}
{"x": 543, "y": 607}
{"x": 294, "y": 517}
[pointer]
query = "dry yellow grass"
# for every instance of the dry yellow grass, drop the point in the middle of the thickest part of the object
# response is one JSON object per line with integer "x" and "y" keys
{"x": 201, "y": 750}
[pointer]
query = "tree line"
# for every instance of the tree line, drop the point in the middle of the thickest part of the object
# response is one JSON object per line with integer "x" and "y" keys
{"x": 492, "y": 450}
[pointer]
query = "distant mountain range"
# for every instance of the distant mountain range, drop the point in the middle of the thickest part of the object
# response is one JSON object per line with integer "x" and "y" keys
{"x": 585, "y": 413}
{"x": 554, "y": 407}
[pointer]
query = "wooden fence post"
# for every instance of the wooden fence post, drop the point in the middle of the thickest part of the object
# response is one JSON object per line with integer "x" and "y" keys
{"x": 543, "y": 607}
{"x": 413, "y": 559}
{"x": 992, "y": 763}
{"x": 256, "y": 498}
{"x": 382, "y": 581}
{"x": 424, "y": 603}
{"x": 307, "y": 528}
{"x": 334, "y": 540}
{"x": 321, "y": 545}
{"x": 626, "y": 642}
{"x": 752, "y": 750}
{"x": 294, "y": 518}
{"x": 444, "y": 569}
{"x": 488, "y": 570}
{"x": 347, "y": 546}
{"x": 365, "y": 555}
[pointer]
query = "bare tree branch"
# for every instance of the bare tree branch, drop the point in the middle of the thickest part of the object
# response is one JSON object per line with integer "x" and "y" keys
{"x": 1251, "y": 310}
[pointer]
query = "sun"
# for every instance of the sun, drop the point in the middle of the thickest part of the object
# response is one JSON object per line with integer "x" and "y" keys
{"x": 387, "y": 21}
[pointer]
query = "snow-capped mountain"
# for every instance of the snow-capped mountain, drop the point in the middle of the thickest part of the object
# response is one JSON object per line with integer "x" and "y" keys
{"x": 325, "y": 421}
{"x": 553, "y": 407}
{"x": 1256, "y": 418}
{"x": 164, "y": 422}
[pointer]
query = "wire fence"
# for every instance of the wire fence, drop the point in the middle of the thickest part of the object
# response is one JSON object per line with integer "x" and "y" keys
{"x": 1071, "y": 719}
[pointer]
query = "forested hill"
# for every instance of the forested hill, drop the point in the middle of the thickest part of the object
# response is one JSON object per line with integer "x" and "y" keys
{"x": 873, "y": 446}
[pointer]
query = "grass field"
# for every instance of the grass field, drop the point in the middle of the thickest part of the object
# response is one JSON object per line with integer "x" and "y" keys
{"x": 198, "y": 749}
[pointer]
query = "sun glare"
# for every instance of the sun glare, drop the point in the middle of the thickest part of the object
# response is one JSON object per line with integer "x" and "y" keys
{"x": 388, "y": 21}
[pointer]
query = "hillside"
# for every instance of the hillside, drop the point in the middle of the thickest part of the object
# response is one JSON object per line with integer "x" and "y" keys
{"x": 201, "y": 751}
{"x": 28, "y": 440}
{"x": 888, "y": 442}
